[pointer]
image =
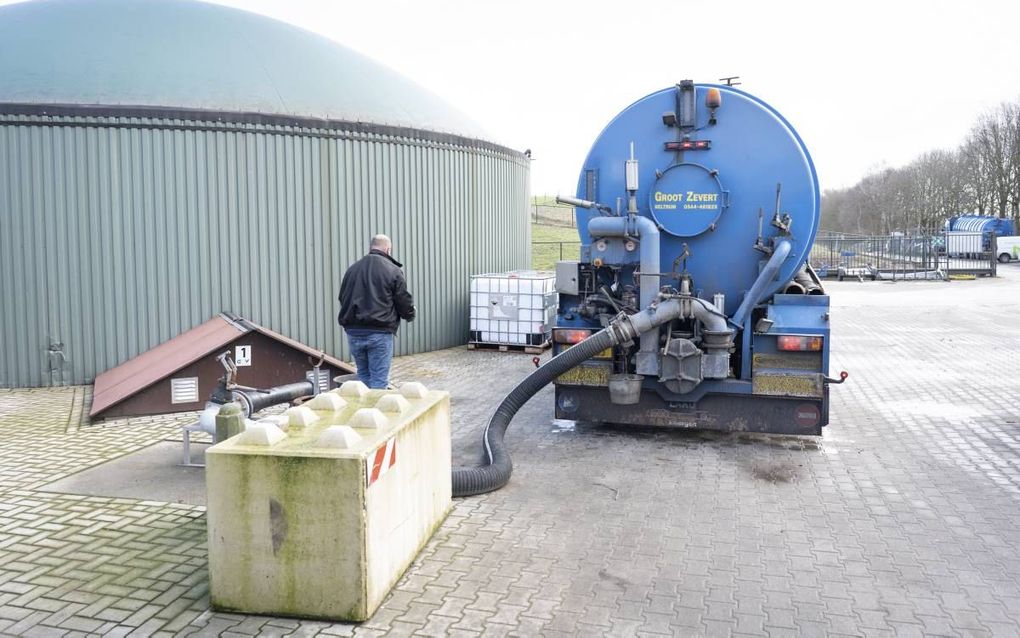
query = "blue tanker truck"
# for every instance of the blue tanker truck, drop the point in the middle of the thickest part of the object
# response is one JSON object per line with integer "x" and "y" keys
{"x": 692, "y": 304}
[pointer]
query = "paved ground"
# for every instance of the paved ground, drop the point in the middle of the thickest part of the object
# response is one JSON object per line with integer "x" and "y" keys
{"x": 903, "y": 519}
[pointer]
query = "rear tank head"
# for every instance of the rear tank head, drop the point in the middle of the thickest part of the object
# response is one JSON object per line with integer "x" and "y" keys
{"x": 716, "y": 169}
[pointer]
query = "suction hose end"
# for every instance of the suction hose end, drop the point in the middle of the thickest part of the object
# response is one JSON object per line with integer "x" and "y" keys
{"x": 471, "y": 481}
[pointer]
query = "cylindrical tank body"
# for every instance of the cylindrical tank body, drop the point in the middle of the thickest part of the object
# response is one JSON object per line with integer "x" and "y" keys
{"x": 161, "y": 162}
{"x": 708, "y": 178}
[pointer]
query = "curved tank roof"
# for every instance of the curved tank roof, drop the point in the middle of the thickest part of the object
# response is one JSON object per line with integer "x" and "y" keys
{"x": 181, "y": 54}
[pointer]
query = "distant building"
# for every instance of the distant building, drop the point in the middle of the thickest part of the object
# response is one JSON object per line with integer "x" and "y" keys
{"x": 166, "y": 160}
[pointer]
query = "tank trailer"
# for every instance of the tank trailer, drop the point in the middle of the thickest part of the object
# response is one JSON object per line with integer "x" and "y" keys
{"x": 692, "y": 303}
{"x": 704, "y": 200}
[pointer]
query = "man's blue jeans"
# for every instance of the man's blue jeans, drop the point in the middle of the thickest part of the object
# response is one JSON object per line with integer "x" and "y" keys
{"x": 372, "y": 354}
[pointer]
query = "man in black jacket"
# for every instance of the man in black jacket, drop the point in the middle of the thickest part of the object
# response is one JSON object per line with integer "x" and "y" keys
{"x": 373, "y": 300}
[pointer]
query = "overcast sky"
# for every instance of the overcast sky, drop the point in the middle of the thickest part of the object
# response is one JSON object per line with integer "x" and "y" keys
{"x": 866, "y": 83}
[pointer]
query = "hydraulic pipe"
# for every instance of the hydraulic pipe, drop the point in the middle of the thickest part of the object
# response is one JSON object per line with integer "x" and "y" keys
{"x": 646, "y": 230}
{"x": 779, "y": 254}
{"x": 254, "y": 400}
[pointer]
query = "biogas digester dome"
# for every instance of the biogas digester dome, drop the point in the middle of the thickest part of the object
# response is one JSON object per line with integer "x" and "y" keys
{"x": 164, "y": 160}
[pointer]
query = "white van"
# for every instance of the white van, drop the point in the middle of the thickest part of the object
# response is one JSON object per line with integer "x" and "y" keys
{"x": 1007, "y": 248}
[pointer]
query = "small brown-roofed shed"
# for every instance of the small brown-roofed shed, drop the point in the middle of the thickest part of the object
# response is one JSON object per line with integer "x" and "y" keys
{"x": 180, "y": 374}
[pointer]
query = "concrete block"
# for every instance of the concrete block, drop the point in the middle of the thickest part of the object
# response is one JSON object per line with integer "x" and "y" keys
{"x": 353, "y": 389}
{"x": 327, "y": 402}
{"x": 300, "y": 416}
{"x": 341, "y": 437}
{"x": 369, "y": 418}
{"x": 393, "y": 404}
{"x": 414, "y": 390}
{"x": 281, "y": 421}
{"x": 229, "y": 421}
{"x": 321, "y": 532}
{"x": 261, "y": 434}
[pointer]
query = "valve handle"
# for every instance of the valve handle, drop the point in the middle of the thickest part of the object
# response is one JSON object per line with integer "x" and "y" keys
{"x": 536, "y": 361}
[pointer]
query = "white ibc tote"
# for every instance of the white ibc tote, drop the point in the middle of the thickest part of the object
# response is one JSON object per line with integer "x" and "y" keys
{"x": 513, "y": 308}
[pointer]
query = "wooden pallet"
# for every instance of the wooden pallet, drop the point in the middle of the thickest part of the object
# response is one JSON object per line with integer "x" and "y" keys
{"x": 510, "y": 347}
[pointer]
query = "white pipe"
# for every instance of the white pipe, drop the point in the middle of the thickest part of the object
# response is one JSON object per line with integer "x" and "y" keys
{"x": 645, "y": 230}
{"x": 707, "y": 314}
{"x": 779, "y": 254}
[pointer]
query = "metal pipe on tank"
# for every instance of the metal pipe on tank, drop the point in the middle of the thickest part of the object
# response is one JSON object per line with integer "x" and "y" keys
{"x": 632, "y": 182}
{"x": 644, "y": 229}
{"x": 779, "y": 254}
{"x": 809, "y": 280}
{"x": 712, "y": 318}
{"x": 719, "y": 301}
{"x": 583, "y": 203}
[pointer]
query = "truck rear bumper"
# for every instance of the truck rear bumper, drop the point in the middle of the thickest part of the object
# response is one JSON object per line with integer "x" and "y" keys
{"x": 721, "y": 412}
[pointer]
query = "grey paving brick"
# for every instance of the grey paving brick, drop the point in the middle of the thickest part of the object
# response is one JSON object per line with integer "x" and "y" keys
{"x": 527, "y": 626}
{"x": 339, "y": 629}
{"x": 43, "y": 631}
{"x": 472, "y": 620}
{"x": 273, "y": 631}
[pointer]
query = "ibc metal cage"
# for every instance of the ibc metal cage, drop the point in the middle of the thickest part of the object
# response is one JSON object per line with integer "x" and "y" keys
{"x": 515, "y": 308}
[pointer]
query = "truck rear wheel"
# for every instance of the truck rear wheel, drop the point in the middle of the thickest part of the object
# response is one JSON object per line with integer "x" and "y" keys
{"x": 1004, "y": 258}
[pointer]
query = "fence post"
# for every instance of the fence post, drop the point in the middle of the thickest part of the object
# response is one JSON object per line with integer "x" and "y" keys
{"x": 994, "y": 259}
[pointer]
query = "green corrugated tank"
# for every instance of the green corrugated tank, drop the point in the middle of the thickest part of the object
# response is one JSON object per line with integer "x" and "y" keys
{"x": 162, "y": 161}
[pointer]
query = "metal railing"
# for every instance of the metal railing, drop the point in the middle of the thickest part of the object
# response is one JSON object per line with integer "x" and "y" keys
{"x": 545, "y": 254}
{"x": 553, "y": 215}
{"x": 932, "y": 255}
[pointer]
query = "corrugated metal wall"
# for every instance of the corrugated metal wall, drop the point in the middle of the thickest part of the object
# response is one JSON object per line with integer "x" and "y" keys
{"x": 117, "y": 234}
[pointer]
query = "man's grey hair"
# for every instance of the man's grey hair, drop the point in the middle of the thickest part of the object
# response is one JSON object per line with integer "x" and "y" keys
{"x": 381, "y": 242}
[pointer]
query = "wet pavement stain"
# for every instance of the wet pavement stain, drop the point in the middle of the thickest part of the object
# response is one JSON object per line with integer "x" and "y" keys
{"x": 775, "y": 472}
{"x": 615, "y": 580}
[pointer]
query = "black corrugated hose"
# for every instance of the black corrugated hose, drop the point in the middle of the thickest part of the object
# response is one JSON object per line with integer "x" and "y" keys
{"x": 254, "y": 400}
{"x": 469, "y": 481}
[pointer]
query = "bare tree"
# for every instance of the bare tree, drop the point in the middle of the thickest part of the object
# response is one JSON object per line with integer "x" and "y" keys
{"x": 977, "y": 183}
{"x": 996, "y": 137}
{"x": 982, "y": 176}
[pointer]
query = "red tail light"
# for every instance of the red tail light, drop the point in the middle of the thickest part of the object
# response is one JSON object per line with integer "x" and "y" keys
{"x": 570, "y": 336}
{"x": 689, "y": 145}
{"x": 800, "y": 344}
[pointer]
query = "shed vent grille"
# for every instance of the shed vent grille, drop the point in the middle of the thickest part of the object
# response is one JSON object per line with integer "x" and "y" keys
{"x": 184, "y": 390}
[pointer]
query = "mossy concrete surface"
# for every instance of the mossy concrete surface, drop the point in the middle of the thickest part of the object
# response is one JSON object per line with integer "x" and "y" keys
{"x": 301, "y": 530}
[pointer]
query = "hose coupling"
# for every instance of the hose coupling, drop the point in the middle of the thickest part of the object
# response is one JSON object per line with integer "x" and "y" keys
{"x": 621, "y": 329}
